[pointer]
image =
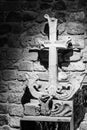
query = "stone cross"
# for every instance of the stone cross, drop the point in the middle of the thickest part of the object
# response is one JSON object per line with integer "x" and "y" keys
{"x": 53, "y": 46}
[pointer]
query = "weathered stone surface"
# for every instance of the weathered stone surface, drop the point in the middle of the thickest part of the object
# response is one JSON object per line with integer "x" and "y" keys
{"x": 29, "y": 15}
{"x": 16, "y": 110}
{"x": 31, "y": 109}
{"x": 43, "y": 76}
{"x": 3, "y": 87}
{"x": 30, "y": 56}
{"x": 77, "y": 16}
{"x": 6, "y": 127}
{"x": 61, "y": 28}
{"x": 83, "y": 125}
{"x": 14, "y": 121}
{"x": 72, "y": 56}
{"x": 74, "y": 28}
{"x": 15, "y": 97}
{"x": 3, "y": 108}
{"x": 21, "y": 76}
{"x": 15, "y": 86}
{"x": 25, "y": 66}
{"x": 3, "y": 97}
{"x": 14, "y": 53}
{"x": 9, "y": 74}
{"x": 85, "y": 79}
{"x": 39, "y": 67}
{"x": 75, "y": 66}
{"x": 14, "y": 41}
{"x": 3, "y": 119}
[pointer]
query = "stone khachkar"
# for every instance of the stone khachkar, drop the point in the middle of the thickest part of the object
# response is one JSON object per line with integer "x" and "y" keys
{"x": 61, "y": 91}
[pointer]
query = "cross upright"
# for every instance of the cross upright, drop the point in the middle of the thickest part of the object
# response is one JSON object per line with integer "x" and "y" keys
{"x": 53, "y": 44}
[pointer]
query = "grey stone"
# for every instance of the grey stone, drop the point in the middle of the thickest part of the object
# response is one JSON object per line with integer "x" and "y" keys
{"x": 3, "y": 119}
{"x": 31, "y": 109}
{"x": 15, "y": 98}
{"x": 83, "y": 125}
{"x": 39, "y": 67}
{"x": 21, "y": 76}
{"x": 3, "y": 97}
{"x": 43, "y": 76}
{"x": 9, "y": 75}
{"x": 74, "y": 28}
{"x": 61, "y": 28}
{"x": 6, "y": 127}
{"x": 16, "y": 110}
{"x": 3, "y": 87}
{"x": 14, "y": 121}
{"x": 30, "y": 56}
{"x": 25, "y": 66}
{"x": 75, "y": 56}
{"x": 77, "y": 16}
{"x": 75, "y": 66}
{"x": 3, "y": 108}
{"x": 14, "y": 53}
{"x": 15, "y": 86}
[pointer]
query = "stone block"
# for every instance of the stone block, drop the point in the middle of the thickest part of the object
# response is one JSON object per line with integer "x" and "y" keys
{"x": 72, "y": 56}
{"x": 77, "y": 16}
{"x": 6, "y": 127}
{"x": 61, "y": 28}
{"x": 43, "y": 76}
{"x": 25, "y": 66}
{"x": 39, "y": 67}
{"x": 15, "y": 98}
{"x": 30, "y": 56}
{"x": 31, "y": 109}
{"x": 14, "y": 53}
{"x": 14, "y": 121}
{"x": 16, "y": 110}
{"x": 3, "y": 108}
{"x": 3, "y": 119}
{"x": 83, "y": 125}
{"x": 21, "y": 76}
{"x": 74, "y": 28}
{"x": 3, "y": 97}
{"x": 3, "y": 87}
{"x": 15, "y": 86}
{"x": 75, "y": 66}
{"x": 9, "y": 75}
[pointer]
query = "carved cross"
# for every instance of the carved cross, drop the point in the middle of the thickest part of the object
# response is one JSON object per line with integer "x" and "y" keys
{"x": 53, "y": 46}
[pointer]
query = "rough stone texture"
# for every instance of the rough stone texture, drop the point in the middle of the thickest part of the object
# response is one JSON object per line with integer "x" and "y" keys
{"x": 30, "y": 56}
{"x": 75, "y": 66}
{"x": 61, "y": 28}
{"x": 43, "y": 76}
{"x": 14, "y": 53}
{"x": 3, "y": 87}
{"x": 14, "y": 121}
{"x": 25, "y": 66}
{"x": 39, "y": 67}
{"x": 15, "y": 86}
{"x": 15, "y": 97}
{"x": 21, "y": 76}
{"x": 75, "y": 28}
{"x": 3, "y": 119}
{"x": 31, "y": 109}
{"x": 3, "y": 108}
{"x": 3, "y": 97}
{"x": 16, "y": 110}
{"x": 6, "y": 127}
{"x": 9, "y": 74}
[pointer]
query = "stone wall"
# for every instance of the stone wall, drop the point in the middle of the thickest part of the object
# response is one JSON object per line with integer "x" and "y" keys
{"x": 21, "y": 24}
